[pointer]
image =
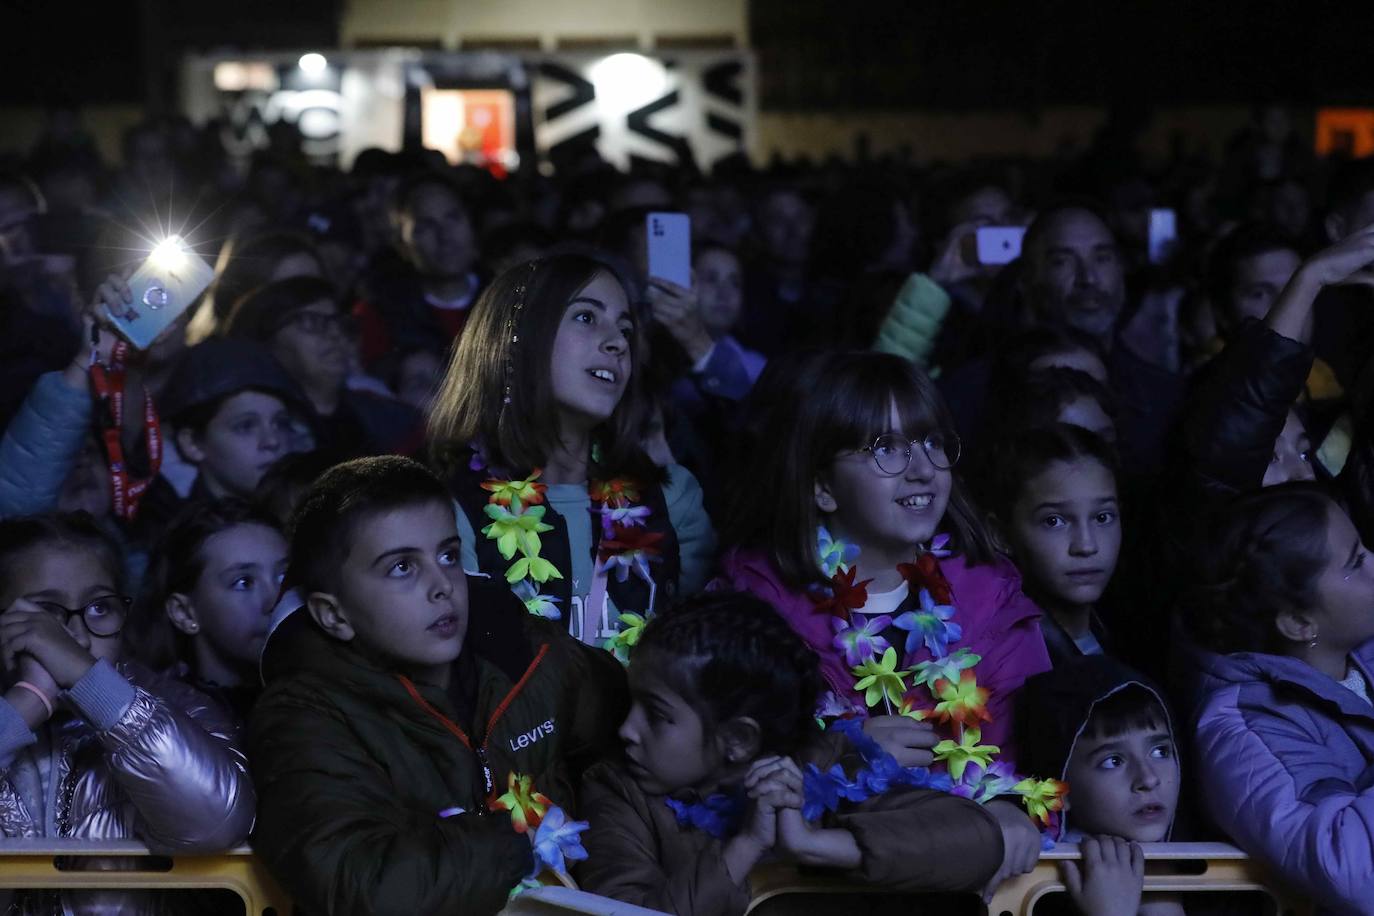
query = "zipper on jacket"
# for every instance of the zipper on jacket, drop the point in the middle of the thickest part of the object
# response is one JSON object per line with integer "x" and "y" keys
{"x": 486, "y": 772}
{"x": 479, "y": 750}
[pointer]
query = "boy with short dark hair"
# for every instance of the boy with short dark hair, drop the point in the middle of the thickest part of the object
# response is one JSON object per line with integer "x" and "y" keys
{"x": 409, "y": 707}
{"x": 1106, "y": 731}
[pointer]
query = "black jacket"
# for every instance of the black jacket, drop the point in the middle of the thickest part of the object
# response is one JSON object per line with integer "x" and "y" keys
{"x": 354, "y": 763}
{"x": 1238, "y": 407}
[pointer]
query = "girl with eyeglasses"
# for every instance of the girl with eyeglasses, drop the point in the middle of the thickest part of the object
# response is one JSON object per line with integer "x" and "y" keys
{"x": 850, "y": 519}
{"x": 91, "y": 744}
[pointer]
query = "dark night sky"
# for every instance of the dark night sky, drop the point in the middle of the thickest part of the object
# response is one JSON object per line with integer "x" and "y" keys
{"x": 813, "y": 54}
{"x": 93, "y": 52}
{"x": 1020, "y": 53}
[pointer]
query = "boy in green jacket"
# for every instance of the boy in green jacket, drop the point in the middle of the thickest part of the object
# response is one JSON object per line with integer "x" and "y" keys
{"x": 416, "y": 722}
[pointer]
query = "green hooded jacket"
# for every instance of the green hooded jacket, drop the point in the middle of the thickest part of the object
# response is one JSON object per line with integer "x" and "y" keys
{"x": 353, "y": 763}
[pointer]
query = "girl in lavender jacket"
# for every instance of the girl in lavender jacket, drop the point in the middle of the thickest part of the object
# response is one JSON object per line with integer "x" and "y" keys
{"x": 1285, "y": 732}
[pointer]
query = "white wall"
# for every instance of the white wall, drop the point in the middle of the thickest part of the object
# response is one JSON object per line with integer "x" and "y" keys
{"x": 453, "y": 22}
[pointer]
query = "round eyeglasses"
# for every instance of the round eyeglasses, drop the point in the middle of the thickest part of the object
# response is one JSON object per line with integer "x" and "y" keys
{"x": 892, "y": 453}
{"x": 103, "y": 616}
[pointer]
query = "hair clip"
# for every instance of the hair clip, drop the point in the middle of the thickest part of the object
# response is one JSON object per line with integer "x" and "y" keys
{"x": 512, "y": 329}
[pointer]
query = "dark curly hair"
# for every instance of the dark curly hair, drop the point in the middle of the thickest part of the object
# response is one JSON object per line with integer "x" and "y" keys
{"x": 1256, "y": 558}
{"x": 730, "y": 655}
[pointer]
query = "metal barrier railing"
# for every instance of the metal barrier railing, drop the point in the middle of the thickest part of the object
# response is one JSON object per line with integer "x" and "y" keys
{"x": 35, "y": 864}
{"x": 549, "y": 901}
{"x": 1224, "y": 868}
{"x": 1170, "y": 867}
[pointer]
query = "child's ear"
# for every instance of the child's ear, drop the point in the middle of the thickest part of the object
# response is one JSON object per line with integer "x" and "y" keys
{"x": 188, "y": 446}
{"x": 329, "y": 614}
{"x": 741, "y": 739}
{"x": 182, "y": 614}
{"x": 1296, "y": 626}
{"x": 825, "y": 500}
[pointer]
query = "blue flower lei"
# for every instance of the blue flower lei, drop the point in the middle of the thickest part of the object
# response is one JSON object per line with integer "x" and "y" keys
{"x": 823, "y": 791}
{"x": 718, "y": 815}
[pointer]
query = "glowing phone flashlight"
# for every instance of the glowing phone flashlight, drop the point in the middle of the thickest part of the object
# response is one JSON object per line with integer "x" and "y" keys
{"x": 169, "y": 255}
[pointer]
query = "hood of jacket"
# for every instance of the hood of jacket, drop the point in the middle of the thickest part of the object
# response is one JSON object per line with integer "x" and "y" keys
{"x": 1287, "y": 674}
{"x": 1054, "y": 708}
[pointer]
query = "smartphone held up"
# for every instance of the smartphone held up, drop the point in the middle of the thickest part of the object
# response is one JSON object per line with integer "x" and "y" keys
{"x": 164, "y": 286}
{"x": 997, "y": 245}
{"x": 669, "y": 239}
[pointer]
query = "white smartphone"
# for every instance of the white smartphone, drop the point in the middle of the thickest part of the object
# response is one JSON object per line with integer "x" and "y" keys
{"x": 1163, "y": 234}
{"x": 164, "y": 286}
{"x": 999, "y": 244}
{"x": 669, "y": 237}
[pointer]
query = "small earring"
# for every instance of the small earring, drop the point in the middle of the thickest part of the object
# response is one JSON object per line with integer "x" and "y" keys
{"x": 1313, "y": 643}
{"x": 193, "y": 627}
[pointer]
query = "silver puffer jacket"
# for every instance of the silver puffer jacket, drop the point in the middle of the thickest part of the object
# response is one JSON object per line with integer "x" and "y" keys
{"x": 167, "y": 772}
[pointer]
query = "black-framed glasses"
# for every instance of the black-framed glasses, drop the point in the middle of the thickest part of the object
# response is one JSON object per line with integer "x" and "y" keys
{"x": 892, "y": 453}
{"x": 103, "y": 616}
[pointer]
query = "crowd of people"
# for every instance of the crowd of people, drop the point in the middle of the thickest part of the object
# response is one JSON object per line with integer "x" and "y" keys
{"x": 439, "y": 545}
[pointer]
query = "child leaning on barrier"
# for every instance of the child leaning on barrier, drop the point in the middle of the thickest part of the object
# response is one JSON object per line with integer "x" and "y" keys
{"x": 711, "y": 783}
{"x": 93, "y": 746}
{"x": 1104, "y": 730}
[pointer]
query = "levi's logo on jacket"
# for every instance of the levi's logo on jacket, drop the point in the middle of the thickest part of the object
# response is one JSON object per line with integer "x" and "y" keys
{"x": 526, "y": 739}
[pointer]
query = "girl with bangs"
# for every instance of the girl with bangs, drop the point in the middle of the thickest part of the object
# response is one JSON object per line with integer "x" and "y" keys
{"x": 537, "y": 430}
{"x": 849, "y": 518}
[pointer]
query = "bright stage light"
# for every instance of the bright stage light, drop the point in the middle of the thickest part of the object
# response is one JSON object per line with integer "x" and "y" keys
{"x": 627, "y": 81}
{"x": 312, "y": 63}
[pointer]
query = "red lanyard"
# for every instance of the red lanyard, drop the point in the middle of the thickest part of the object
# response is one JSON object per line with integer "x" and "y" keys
{"x": 108, "y": 383}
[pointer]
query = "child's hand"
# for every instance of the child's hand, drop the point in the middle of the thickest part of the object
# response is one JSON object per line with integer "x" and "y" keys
{"x": 28, "y": 629}
{"x": 909, "y": 741}
{"x": 115, "y": 296}
{"x": 1351, "y": 260}
{"x": 33, "y": 709}
{"x": 1020, "y": 842}
{"x": 952, "y": 265}
{"x": 1109, "y": 879}
{"x": 772, "y": 783}
{"x": 677, "y": 309}
{"x": 769, "y": 787}
{"x": 29, "y": 669}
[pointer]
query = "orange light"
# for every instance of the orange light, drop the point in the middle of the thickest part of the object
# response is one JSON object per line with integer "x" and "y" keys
{"x": 1345, "y": 131}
